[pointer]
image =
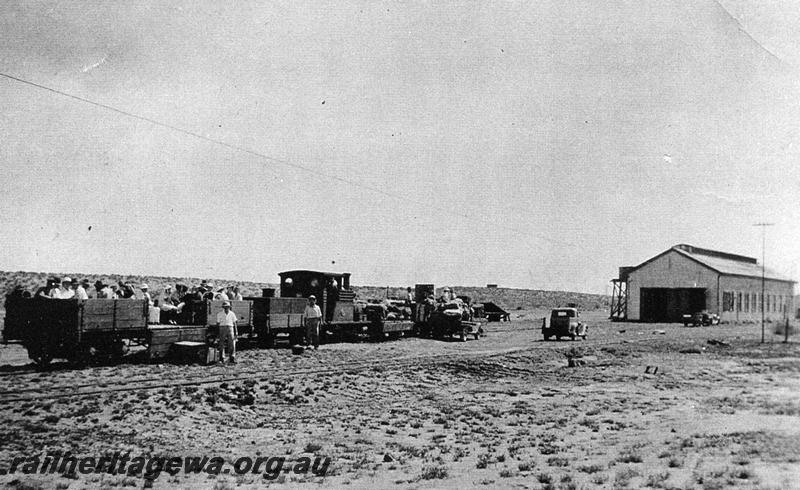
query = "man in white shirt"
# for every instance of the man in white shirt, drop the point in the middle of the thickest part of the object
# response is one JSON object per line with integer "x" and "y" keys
{"x": 146, "y": 294}
{"x": 409, "y": 299}
{"x": 64, "y": 291}
{"x": 313, "y": 317}
{"x": 80, "y": 291}
{"x": 226, "y": 322}
{"x": 236, "y": 294}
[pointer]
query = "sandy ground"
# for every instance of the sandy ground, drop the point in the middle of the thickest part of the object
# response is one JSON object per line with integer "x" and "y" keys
{"x": 505, "y": 411}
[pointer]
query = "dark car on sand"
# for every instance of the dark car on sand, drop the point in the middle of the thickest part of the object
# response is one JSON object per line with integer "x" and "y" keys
{"x": 564, "y": 322}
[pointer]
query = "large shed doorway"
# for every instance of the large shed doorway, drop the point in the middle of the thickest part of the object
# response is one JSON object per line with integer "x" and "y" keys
{"x": 670, "y": 304}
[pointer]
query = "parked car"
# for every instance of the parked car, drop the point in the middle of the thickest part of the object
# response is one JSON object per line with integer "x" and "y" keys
{"x": 703, "y": 318}
{"x": 564, "y": 322}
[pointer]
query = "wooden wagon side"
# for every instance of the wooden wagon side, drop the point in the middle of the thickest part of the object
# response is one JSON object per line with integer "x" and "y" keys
{"x": 74, "y": 329}
{"x": 277, "y": 320}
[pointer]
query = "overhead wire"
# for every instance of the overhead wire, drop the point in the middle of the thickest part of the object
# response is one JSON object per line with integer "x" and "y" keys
{"x": 275, "y": 160}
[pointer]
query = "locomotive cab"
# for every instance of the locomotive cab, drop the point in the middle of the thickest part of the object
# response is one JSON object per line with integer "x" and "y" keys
{"x": 332, "y": 290}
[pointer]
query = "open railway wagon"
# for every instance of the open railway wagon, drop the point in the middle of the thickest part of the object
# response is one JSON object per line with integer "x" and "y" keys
{"x": 265, "y": 319}
{"x": 443, "y": 319}
{"x": 343, "y": 318}
{"x": 276, "y": 321}
{"x": 72, "y": 329}
{"x": 79, "y": 330}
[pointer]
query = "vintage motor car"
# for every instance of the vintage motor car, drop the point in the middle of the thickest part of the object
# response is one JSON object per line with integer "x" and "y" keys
{"x": 701, "y": 318}
{"x": 564, "y": 322}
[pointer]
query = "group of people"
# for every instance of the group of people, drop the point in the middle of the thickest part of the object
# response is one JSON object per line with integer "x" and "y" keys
{"x": 66, "y": 288}
{"x": 172, "y": 300}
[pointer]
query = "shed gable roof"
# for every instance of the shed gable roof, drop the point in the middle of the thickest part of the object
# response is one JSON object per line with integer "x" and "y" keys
{"x": 721, "y": 263}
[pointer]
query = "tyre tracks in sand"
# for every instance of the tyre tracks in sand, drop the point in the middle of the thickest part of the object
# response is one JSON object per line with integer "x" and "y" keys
{"x": 100, "y": 387}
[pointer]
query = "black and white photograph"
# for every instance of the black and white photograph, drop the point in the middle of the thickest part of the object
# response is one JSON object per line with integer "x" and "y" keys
{"x": 414, "y": 245}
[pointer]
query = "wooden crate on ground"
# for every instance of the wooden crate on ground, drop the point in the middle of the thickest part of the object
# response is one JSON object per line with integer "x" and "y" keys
{"x": 193, "y": 352}
{"x": 161, "y": 338}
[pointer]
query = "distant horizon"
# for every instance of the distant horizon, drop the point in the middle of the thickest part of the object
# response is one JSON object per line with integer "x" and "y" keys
{"x": 78, "y": 275}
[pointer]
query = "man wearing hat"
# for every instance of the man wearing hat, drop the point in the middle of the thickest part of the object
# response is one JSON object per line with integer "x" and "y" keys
{"x": 146, "y": 294}
{"x": 226, "y": 322}
{"x": 208, "y": 294}
{"x": 80, "y": 291}
{"x": 64, "y": 291}
{"x": 102, "y": 291}
{"x": 313, "y": 316}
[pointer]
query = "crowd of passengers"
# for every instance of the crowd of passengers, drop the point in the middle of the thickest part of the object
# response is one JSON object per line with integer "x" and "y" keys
{"x": 170, "y": 300}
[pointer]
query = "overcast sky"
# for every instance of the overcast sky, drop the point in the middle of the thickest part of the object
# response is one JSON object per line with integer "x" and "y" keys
{"x": 530, "y": 144}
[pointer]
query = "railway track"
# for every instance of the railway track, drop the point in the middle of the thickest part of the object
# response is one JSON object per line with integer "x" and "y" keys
{"x": 84, "y": 390}
{"x": 58, "y": 368}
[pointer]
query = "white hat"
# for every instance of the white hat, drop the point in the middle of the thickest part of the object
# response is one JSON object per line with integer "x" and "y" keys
{"x": 143, "y": 286}
{"x": 66, "y": 279}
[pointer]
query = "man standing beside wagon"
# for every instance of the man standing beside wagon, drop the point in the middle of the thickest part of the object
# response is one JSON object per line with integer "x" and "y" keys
{"x": 226, "y": 322}
{"x": 313, "y": 317}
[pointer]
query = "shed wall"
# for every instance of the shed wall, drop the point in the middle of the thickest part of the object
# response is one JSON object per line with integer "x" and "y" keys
{"x": 671, "y": 270}
{"x": 779, "y": 302}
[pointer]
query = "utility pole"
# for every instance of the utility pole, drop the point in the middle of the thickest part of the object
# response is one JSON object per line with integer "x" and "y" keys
{"x": 763, "y": 271}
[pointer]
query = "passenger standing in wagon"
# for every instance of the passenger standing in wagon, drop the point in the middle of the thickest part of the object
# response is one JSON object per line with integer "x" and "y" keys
{"x": 226, "y": 322}
{"x": 80, "y": 291}
{"x": 221, "y": 295}
{"x": 102, "y": 290}
{"x": 146, "y": 294}
{"x": 313, "y": 316}
{"x": 44, "y": 291}
{"x": 65, "y": 291}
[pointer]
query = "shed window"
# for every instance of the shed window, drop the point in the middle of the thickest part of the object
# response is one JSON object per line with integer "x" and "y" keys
{"x": 727, "y": 301}
{"x": 738, "y": 301}
{"x": 746, "y": 302}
